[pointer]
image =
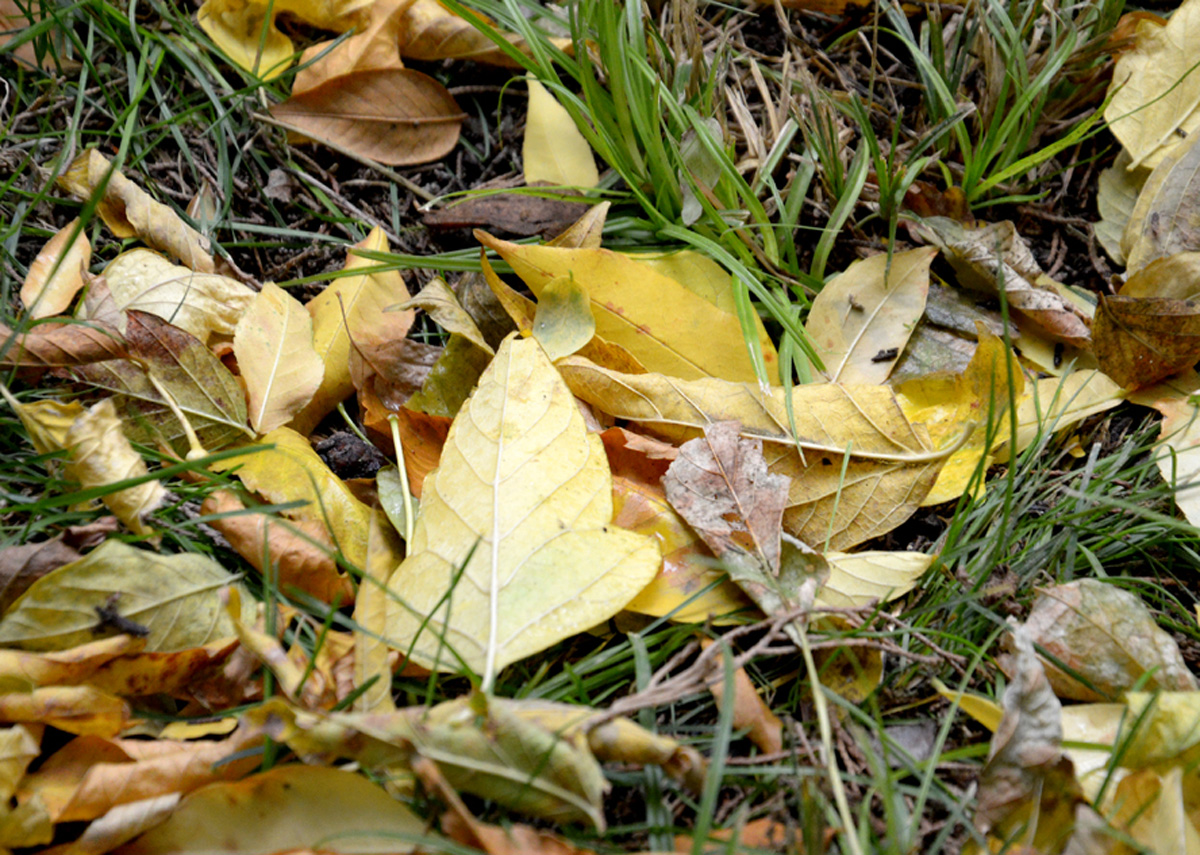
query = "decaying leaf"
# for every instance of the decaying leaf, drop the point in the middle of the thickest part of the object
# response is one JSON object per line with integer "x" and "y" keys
{"x": 858, "y": 467}
{"x": 56, "y": 275}
{"x": 286, "y": 808}
{"x": 198, "y": 303}
{"x": 697, "y": 339}
{"x": 171, "y": 596}
{"x": 273, "y": 343}
{"x": 395, "y": 116}
{"x": 861, "y": 320}
{"x": 130, "y": 212}
{"x": 21, "y": 566}
{"x": 101, "y": 455}
{"x": 1165, "y": 220}
{"x": 554, "y": 151}
{"x": 522, "y": 494}
{"x": 1108, "y": 639}
{"x": 1156, "y": 88}
{"x": 54, "y": 345}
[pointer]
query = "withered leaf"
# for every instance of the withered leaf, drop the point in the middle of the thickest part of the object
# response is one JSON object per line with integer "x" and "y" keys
{"x": 21, "y": 566}
{"x": 1141, "y": 340}
{"x": 519, "y": 214}
{"x": 57, "y": 345}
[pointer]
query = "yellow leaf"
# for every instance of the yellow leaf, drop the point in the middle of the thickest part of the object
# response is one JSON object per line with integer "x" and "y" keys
{"x": 945, "y": 404}
{"x": 1117, "y": 193}
{"x": 891, "y": 463}
{"x": 373, "y": 45}
{"x": 371, "y": 652}
{"x": 1156, "y": 88}
{"x": 695, "y": 339}
{"x": 198, "y": 303}
{"x": 861, "y": 320}
{"x": 859, "y": 578}
{"x": 47, "y": 422}
{"x": 1056, "y": 403}
{"x": 287, "y": 808}
{"x": 56, "y": 275}
{"x": 129, "y": 211}
{"x": 352, "y": 308}
{"x": 511, "y": 553}
{"x": 433, "y": 32}
{"x": 1177, "y": 451}
{"x": 441, "y": 304}
{"x": 101, "y": 455}
{"x": 554, "y": 151}
{"x": 564, "y": 322}
{"x": 274, "y": 349}
{"x": 1162, "y": 218}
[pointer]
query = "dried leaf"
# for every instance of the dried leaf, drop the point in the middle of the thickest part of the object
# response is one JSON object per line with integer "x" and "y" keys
{"x": 1117, "y": 193}
{"x": 522, "y": 494}
{"x": 441, "y": 304}
{"x": 452, "y": 379}
{"x": 54, "y": 345}
{"x": 1056, "y": 403}
{"x": 861, "y": 320}
{"x": 1177, "y": 451}
{"x": 21, "y": 566}
{"x": 749, "y": 711}
{"x": 371, "y": 651}
{"x": 696, "y": 339}
{"x": 374, "y": 45}
{"x": 1156, "y": 88}
{"x": 433, "y": 32}
{"x": 139, "y": 674}
{"x": 285, "y": 808}
{"x": 554, "y": 150}
{"x": 83, "y": 710}
{"x": 173, "y": 596}
{"x": 56, "y": 275}
{"x": 1108, "y": 639}
{"x": 101, "y": 455}
{"x": 1164, "y": 220}
{"x": 395, "y": 116}
{"x": 1141, "y": 340}
{"x": 891, "y": 464}
{"x": 130, "y": 212}
{"x": 516, "y": 214}
{"x": 198, "y": 303}
{"x": 273, "y": 343}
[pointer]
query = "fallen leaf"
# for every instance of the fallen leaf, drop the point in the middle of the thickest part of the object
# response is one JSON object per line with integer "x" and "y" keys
{"x": 273, "y": 343}
{"x": 749, "y": 712}
{"x": 860, "y": 578}
{"x": 891, "y": 463}
{"x": 21, "y": 671}
{"x": 521, "y": 214}
{"x": 198, "y": 303}
{"x": 422, "y": 437}
{"x": 697, "y": 339}
{"x": 54, "y": 345}
{"x": 441, "y": 304}
{"x": 373, "y": 45}
{"x": 138, "y": 673}
{"x": 284, "y": 808}
{"x": 861, "y": 320}
{"x": 292, "y": 472}
{"x": 291, "y": 554}
{"x": 1117, "y": 194}
{"x": 21, "y": 566}
{"x": 764, "y": 833}
{"x": 371, "y": 650}
{"x": 353, "y": 309}
{"x": 554, "y": 151}
{"x": 394, "y": 116}
{"x": 55, "y": 276}
{"x": 83, "y": 710}
{"x": 130, "y": 212}
{"x": 1108, "y": 639}
{"x": 433, "y": 32}
{"x": 564, "y": 323}
{"x": 522, "y": 493}
{"x": 451, "y": 380}
{"x": 1056, "y": 403}
{"x": 946, "y": 404}
{"x": 173, "y": 596}
{"x": 1155, "y": 88}
{"x": 101, "y": 455}
{"x": 1164, "y": 220}
{"x": 170, "y": 362}
{"x": 1177, "y": 451}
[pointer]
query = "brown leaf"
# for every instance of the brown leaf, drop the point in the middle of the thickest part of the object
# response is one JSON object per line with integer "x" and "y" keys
{"x": 397, "y": 117}
{"x": 56, "y": 345}
{"x": 1141, "y": 340}
{"x": 146, "y": 673}
{"x": 433, "y": 32}
{"x": 519, "y": 214}
{"x": 421, "y": 435}
{"x": 749, "y": 711}
{"x": 21, "y": 566}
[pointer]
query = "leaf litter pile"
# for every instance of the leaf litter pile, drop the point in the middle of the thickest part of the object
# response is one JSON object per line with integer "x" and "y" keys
{"x": 806, "y": 507}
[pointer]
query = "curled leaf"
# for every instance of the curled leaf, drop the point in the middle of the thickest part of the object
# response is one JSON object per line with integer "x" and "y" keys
{"x": 56, "y": 275}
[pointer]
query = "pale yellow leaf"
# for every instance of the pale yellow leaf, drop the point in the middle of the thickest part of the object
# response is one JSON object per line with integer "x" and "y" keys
{"x": 517, "y": 513}
{"x": 375, "y": 44}
{"x": 47, "y": 421}
{"x": 56, "y": 275}
{"x": 564, "y": 322}
{"x": 352, "y": 309}
{"x": 101, "y": 455}
{"x": 130, "y": 212}
{"x": 1156, "y": 88}
{"x": 858, "y": 578}
{"x": 371, "y": 653}
{"x": 693, "y": 339}
{"x": 273, "y": 343}
{"x": 1177, "y": 451}
{"x": 554, "y": 151}
{"x": 441, "y": 304}
{"x": 1117, "y": 189}
{"x": 198, "y": 303}
{"x": 861, "y": 320}
{"x": 1165, "y": 218}
{"x": 1056, "y": 403}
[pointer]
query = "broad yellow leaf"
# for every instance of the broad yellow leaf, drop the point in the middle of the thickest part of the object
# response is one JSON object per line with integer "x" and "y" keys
{"x": 858, "y": 578}
{"x": 375, "y": 44}
{"x": 198, "y": 303}
{"x": 1156, "y": 88}
{"x": 564, "y": 323}
{"x": 945, "y": 404}
{"x": 101, "y": 455}
{"x": 861, "y": 320}
{"x": 1056, "y": 403}
{"x": 694, "y": 339}
{"x": 130, "y": 212}
{"x": 172, "y": 596}
{"x": 352, "y": 308}
{"x": 554, "y": 151}
{"x": 47, "y": 422}
{"x": 293, "y": 472}
{"x": 371, "y": 653}
{"x": 1117, "y": 189}
{"x": 511, "y": 552}
{"x": 274, "y": 348}
{"x": 287, "y": 808}
{"x": 56, "y": 275}
{"x": 83, "y": 710}
{"x": 858, "y": 469}
{"x": 1164, "y": 219}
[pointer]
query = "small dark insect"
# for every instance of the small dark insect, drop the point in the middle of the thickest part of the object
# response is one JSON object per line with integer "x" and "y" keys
{"x": 854, "y": 304}
{"x": 110, "y": 618}
{"x": 886, "y": 355}
{"x": 1058, "y": 354}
